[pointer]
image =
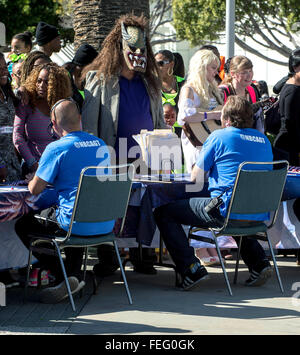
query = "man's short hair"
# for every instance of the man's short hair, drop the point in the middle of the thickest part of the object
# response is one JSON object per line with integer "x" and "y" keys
{"x": 238, "y": 111}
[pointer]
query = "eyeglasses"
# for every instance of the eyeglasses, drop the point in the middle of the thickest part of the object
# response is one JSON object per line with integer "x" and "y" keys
{"x": 245, "y": 72}
{"x": 161, "y": 63}
{"x": 17, "y": 74}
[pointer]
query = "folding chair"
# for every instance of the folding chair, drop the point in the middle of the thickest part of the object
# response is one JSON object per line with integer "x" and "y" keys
{"x": 100, "y": 197}
{"x": 257, "y": 189}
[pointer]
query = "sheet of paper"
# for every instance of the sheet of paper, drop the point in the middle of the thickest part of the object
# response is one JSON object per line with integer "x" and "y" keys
{"x": 13, "y": 188}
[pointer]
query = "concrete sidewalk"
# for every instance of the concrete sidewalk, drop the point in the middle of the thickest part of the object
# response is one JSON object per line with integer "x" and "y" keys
{"x": 160, "y": 309}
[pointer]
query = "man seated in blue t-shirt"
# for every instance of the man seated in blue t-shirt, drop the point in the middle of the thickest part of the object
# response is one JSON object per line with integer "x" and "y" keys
{"x": 60, "y": 165}
{"x": 221, "y": 155}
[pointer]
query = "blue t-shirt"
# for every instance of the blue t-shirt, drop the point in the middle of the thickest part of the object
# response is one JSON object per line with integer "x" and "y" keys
{"x": 134, "y": 111}
{"x": 60, "y": 165}
{"x": 222, "y": 153}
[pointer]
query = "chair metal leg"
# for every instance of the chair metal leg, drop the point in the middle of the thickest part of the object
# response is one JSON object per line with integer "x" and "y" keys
{"x": 222, "y": 264}
{"x": 123, "y": 273}
{"x": 65, "y": 275}
{"x": 27, "y": 274}
{"x": 85, "y": 262}
{"x": 237, "y": 261}
{"x": 84, "y": 269}
{"x": 275, "y": 263}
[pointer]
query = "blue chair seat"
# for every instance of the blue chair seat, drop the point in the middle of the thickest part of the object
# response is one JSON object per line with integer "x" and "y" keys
{"x": 76, "y": 240}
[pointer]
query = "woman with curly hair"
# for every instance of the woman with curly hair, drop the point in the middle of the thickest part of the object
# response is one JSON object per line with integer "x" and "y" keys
{"x": 9, "y": 165}
{"x": 47, "y": 84}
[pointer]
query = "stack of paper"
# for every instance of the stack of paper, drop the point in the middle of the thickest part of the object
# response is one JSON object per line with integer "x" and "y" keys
{"x": 161, "y": 149}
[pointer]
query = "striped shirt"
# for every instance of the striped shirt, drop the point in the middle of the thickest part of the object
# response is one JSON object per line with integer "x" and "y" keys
{"x": 30, "y": 133}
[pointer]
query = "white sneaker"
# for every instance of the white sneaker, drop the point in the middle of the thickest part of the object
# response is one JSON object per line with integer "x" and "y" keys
{"x": 58, "y": 293}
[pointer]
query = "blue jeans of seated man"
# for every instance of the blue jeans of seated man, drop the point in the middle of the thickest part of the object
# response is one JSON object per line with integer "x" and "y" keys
{"x": 169, "y": 219}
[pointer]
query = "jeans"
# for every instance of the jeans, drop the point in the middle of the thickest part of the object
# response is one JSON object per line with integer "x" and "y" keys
{"x": 191, "y": 212}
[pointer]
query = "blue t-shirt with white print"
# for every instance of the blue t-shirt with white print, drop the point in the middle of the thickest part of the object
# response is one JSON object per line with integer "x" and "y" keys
{"x": 60, "y": 165}
{"x": 222, "y": 153}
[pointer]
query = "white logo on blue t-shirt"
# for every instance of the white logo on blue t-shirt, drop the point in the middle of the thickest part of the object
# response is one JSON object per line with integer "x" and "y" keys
{"x": 257, "y": 139}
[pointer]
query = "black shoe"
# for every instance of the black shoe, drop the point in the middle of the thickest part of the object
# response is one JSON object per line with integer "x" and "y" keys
{"x": 104, "y": 270}
{"x": 147, "y": 269}
{"x": 259, "y": 278}
{"x": 193, "y": 276}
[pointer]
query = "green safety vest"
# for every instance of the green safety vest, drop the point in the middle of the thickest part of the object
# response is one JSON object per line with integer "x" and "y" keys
{"x": 170, "y": 98}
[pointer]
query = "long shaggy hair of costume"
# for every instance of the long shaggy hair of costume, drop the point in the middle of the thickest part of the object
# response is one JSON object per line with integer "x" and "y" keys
{"x": 108, "y": 62}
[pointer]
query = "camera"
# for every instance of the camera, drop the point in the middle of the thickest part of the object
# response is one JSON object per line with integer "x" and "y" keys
{"x": 214, "y": 203}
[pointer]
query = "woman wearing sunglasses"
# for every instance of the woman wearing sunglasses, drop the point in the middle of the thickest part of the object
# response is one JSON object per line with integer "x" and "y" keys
{"x": 171, "y": 83}
{"x": 46, "y": 84}
{"x": 170, "y": 66}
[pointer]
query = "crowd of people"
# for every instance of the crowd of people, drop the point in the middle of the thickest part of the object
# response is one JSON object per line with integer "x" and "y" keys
{"x": 112, "y": 95}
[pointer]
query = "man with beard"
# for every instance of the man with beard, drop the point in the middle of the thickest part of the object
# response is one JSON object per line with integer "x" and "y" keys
{"x": 122, "y": 96}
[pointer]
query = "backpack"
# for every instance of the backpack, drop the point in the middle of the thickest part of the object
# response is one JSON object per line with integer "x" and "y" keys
{"x": 273, "y": 118}
{"x": 227, "y": 92}
{"x": 257, "y": 119}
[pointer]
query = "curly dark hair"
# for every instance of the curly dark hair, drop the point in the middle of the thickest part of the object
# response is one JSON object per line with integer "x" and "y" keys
{"x": 59, "y": 84}
{"x": 28, "y": 64}
{"x": 108, "y": 62}
{"x": 238, "y": 111}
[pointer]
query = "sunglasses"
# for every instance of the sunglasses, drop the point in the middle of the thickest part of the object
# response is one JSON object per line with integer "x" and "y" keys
{"x": 161, "y": 63}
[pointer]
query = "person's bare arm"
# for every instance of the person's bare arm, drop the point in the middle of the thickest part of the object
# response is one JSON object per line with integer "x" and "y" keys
{"x": 200, "y": 114}
{"x": 37, "y": 185}
{"x": 22, "y": 95}
{"x": 214, "y": 114}
{"x": 196, "y": 173}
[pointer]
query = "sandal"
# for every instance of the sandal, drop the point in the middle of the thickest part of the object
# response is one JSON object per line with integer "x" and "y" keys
{"x": 210, "y": 261}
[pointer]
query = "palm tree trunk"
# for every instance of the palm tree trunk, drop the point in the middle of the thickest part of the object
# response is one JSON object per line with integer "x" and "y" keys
{"x": 94, "y": 19}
